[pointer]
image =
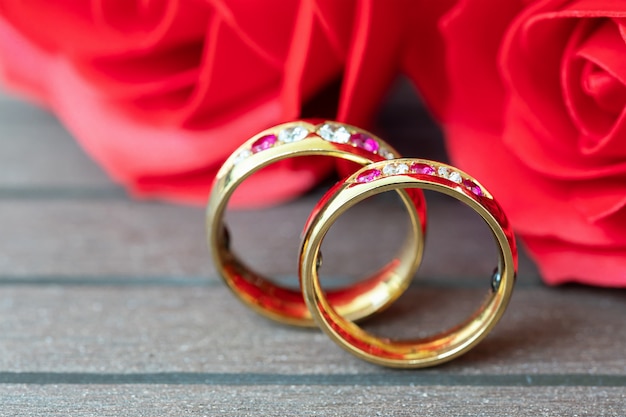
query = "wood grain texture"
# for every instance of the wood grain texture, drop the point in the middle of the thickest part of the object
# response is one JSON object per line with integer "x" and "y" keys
{"x": 206, "y": 330}
{"x": 310, "y": 401}
{"x": 80, "y": 237}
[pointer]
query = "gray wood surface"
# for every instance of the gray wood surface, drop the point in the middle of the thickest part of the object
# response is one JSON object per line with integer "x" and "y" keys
{"x": 111, "y": 306}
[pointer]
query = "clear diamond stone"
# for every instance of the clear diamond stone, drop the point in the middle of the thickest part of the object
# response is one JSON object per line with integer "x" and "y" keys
{"x": 333, "y": 132}
{"x": 402, "y": 168}
{"x": 242, "y": 155}
{"x": 443, "y": 172}
{"x": 292, "y": 134}
{"x": 395, "y": 169}
{"x": 385, "y": 153}
{"x": 455, "y": 177}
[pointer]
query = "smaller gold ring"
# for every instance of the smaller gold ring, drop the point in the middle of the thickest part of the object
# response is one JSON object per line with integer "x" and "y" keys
{"x": 408, "y": 174}
{"x": 297, "y": 139}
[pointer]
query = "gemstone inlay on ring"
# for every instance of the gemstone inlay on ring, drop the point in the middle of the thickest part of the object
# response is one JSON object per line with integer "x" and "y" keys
{"x": 334, "y": 132}
{"x": 293, "y": 134}
{"x": 328, "y": 131}
{"x": 263, "y": 143}
{"x": 473, "y": 187}
{"x": 443, "y": 172}
{"x": 398, "y": 167}
{"x": 369, "y": 175}
{"x": 455, "y": 177}
{"x": 395, "y": 169}
{"x": 361, "y": 140}
{"x": 421, "y": 168}
{"x": 242, "y": 155}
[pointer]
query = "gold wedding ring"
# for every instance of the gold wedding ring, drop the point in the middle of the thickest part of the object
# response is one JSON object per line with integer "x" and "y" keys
{"x": 303, "y": 138}
{"x": 407, "y": 174}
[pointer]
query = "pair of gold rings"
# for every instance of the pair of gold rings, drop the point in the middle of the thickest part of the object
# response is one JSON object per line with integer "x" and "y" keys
{"x": 337, "y": 311}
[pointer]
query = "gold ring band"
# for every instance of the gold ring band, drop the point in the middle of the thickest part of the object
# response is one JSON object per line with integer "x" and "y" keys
{"x": 303, "y": 138}
{"x": 396, "y": 175}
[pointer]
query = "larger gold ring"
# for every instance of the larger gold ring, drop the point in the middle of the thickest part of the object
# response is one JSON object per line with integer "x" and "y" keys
{"x": 396, "y": 175}
{"x": 306, "y": 139}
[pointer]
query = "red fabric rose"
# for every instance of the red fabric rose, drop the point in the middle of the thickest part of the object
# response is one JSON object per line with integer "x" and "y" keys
{"x": 161, "y": 92}
{"x": 537, "y": 111}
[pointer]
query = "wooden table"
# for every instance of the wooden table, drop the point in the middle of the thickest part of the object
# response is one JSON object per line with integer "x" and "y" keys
{"x": 110, "y": 306}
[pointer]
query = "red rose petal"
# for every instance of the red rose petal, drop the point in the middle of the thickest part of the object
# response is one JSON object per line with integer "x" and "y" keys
{"x": 561, "y": 262}
{"x": 532, "y": 71}
{"x": 535, "y": 204}
{"x": 475, "y": 89}
{"x": 608, "y": 92}
{"x": 599, "y": 200}
{"x": 594, "y": 78}
{"x": 372, "y": 59}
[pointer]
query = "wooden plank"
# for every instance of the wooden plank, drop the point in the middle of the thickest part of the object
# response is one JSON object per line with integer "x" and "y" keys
{"x": 66, "y": 329}
{"x": 16, "y": 111}
{"x": 96, "y": 238}
{"x": 34, "y": 156}
{"x": 104, "y": 237}
{"x": 297, "y": 400}
{"x": 36, "y": 152}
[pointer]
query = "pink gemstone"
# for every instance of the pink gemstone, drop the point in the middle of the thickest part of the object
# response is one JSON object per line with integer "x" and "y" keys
{"x": 368, "y": 176}
{"x": 473, "y": 187}
{"x": 420, "y": 168}
{"x": 264, "y": 143}
{"x": 363, "y": 141}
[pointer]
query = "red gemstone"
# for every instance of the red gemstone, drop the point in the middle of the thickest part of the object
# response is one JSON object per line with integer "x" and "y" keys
{"x": 363, "y": 141}
{"x": 368, "y": 175}
{"x": 264, "y": 143}
{"x": 420, "y": 168}
{"x": 473, "y": 187}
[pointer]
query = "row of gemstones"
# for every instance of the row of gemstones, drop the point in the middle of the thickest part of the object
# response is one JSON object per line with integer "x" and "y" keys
{"x": 399, "y": 168}
{"x": 332, "y": 132}
{"x": 337, "y": 133}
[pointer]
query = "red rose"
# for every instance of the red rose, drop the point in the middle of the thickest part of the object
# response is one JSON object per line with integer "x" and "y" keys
{"x": 537, "y": 111}
{"x": 161, "y": 92}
